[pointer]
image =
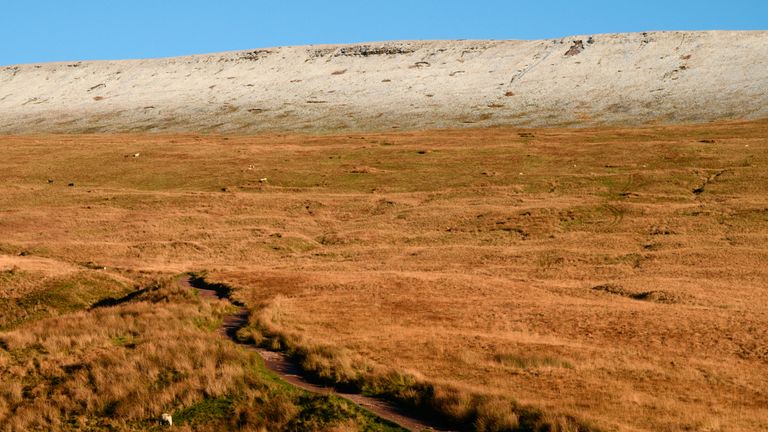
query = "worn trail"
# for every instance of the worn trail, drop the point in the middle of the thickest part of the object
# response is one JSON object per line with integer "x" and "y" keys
{"x": 289, "y": 371}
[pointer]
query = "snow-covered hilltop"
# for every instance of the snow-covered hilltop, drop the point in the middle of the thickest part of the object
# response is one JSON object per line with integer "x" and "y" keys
{"x": 637, "y": 78}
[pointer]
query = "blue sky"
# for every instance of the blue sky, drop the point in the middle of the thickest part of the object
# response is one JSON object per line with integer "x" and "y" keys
{"x": 61, "y": 30}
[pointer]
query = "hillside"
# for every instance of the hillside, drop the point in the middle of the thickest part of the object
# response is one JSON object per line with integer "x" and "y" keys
{"x": 638, "y": 78}
{"x": 615, "y": 276}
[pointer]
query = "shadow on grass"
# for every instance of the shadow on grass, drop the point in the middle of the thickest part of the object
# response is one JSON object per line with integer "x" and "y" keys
{"x": 112, "y": 301}
{"x": 222, "y": 291}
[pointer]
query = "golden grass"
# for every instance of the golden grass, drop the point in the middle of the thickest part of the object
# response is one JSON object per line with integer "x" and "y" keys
{"x": 464, "y": 258}
{"x": 121, "y": 363}
{"x": 118, "y": 368}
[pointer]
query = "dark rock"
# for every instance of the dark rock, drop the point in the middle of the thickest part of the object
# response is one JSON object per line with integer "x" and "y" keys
{"x": 576, "y": 48}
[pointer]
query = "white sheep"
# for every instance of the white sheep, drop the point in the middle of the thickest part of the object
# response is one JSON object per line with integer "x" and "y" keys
{"x": 166, "y": 419}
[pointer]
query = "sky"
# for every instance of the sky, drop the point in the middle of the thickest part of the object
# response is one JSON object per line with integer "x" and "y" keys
{"x": 34, "y": 31}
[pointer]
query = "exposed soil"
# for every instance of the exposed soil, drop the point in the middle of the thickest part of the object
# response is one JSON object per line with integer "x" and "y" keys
{"x": 656, "y": 296}
{"x": 289, "y": 371}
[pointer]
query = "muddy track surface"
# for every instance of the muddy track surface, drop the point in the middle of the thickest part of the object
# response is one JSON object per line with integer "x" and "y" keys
{"x": 290, "y": 371}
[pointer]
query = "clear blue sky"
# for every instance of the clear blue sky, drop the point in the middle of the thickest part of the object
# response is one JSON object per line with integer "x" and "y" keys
{"x": 61, "y": 30}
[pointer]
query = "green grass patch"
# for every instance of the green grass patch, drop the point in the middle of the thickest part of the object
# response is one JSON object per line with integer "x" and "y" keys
{"x": 73, "y": 293}
{"x": 125, "y": 341}
{"x": 206, "y": 411}
{"x": 55, "y": 296}
{"x": 207, "y": 323}
{"x": 320, "y": 412}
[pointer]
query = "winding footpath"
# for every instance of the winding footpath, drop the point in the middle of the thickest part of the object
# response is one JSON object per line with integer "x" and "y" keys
{"x": 289, "y": 371}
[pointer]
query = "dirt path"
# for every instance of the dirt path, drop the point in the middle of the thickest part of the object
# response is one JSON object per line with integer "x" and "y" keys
{"x": 289, "y": 371}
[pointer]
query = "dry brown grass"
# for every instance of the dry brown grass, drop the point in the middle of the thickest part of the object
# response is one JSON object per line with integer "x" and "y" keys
{"x": 122, "y": 363}
{"x": 467, "y": 258}
{"x": 118, "y": 368}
